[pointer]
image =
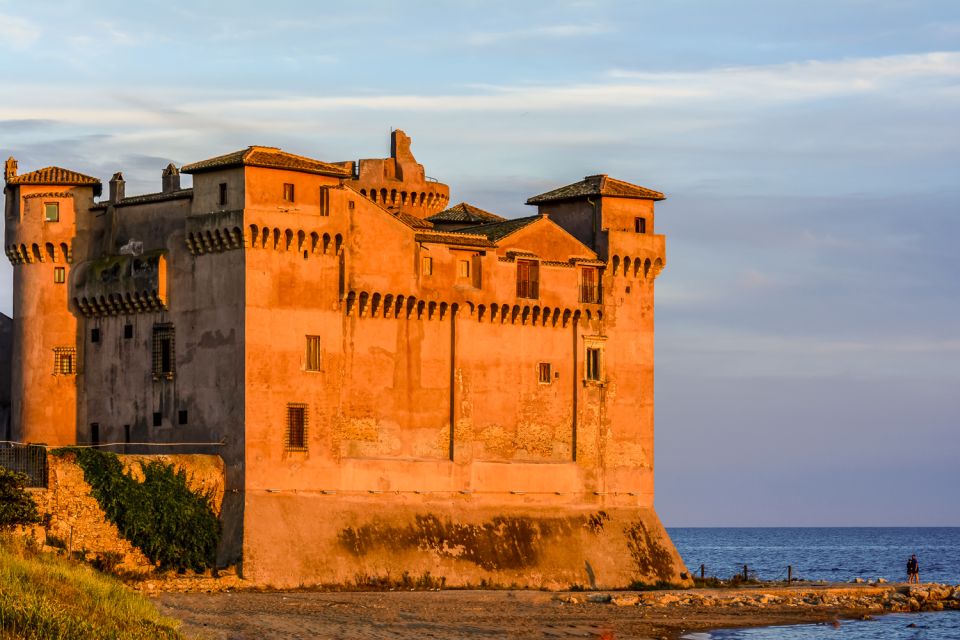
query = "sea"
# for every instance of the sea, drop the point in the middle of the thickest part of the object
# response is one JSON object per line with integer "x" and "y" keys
{"x": 830, "y": 554}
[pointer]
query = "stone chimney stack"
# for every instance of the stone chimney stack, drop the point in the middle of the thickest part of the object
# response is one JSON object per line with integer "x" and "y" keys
{"x": 116, "y": 187}
{"x": 10, "y": 169}
{"x": 171, "y": 178}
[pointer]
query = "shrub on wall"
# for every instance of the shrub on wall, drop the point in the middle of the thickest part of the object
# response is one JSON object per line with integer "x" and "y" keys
{"x": 16, "y": 505}
{"x": 173, "y": 526}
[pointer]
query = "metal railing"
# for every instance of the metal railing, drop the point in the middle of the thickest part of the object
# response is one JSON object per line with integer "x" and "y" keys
{"x": 28, "y": 459}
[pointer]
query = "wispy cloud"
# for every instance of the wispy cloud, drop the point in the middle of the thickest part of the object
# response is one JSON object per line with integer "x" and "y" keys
{"x": 17, "y": 32}
{"x": 545, "y": 31}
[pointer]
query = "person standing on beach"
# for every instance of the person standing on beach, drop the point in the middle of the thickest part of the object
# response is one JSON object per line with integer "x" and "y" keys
{"x": 913, "y": 570}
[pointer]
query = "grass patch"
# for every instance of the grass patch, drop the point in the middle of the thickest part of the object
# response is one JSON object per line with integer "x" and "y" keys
{"x": 45, "y": 597}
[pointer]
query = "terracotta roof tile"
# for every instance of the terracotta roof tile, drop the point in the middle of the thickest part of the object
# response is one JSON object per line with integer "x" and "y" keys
{"x": 411, "y": 220}
{"x": 497, "y": 230}
{"x": 54, "y": 175}
{"x": 454, "y": 238}
{"x": 269, "y": 157}
{"x": 464, "y": 212}
{"x": 599, "y": 185}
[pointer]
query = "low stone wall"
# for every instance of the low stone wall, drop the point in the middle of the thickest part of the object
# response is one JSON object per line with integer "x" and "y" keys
{"x": 73, "y": 517}
{"x": 307, "y": 540}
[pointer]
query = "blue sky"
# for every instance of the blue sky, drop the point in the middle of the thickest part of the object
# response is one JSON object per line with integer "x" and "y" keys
{"x": 809, "y": 318}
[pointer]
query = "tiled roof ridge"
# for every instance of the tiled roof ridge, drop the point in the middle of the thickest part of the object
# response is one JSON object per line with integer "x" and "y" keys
{"x": 465, "y": 212}
{"x": 53, "y": 175}
{"x": 248, "y": 157}
{"x": 597, "y": 185}
{"x": 510, "y": 226}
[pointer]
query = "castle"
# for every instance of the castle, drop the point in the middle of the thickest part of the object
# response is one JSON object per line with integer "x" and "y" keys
{"x": 395, "y": 385}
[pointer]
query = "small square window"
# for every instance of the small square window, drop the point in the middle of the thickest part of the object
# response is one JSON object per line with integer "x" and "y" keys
{"x": 288, "y": 192}
{"x": 59, "y": 275}
{"x": 182, "y": 416}
{"x": 51, "y": 212}
{"x": 64, "y": 361}
{"x": 640, "y": 225}
{"x": 594, "y": 364}
{"x": 127, "y": 331}
{"x": 463, "y": 269}
{"x": 222, "y": 193}
{"x": 157, "y": 418}
{"x": 313, "y": 359}
{"x": 426, "y": 266}
{"x": 350, "y": 205}
{"x": 95, "y": 334}
{"x": 544, "y": 375}
{"x": 296, "y": 439}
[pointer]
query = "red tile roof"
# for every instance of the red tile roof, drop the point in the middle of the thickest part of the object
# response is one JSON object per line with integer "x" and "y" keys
{"x": 464, "y": 212}
{"x": 271, "y": 158}
{"x": 599, "y": 185}
{"x": 54, "y": 176}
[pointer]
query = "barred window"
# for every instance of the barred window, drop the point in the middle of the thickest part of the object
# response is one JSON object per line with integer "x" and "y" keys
{"x": 544, "y": 373}
{"x": 64, "y": 361}
{"x": 313, "y": 360}
{"x": 163, "y": 351}
{"x": 594, "y": 364}
{"x": 59, "y": 275}
{"x": 296, "y": 439}
{"x": 463, "y": 269}
{"x": 426, "y": 266}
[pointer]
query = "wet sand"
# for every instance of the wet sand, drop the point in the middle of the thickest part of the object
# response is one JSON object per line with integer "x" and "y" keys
{"x": 249, "y": 615}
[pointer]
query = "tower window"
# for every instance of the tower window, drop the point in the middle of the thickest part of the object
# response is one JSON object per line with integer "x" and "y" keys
{"x": 95, "y": 334}
{"x": 528, "y": 279}
{"x": 126, "y": 434}
{"x": 222, "y": 193}
{"x": 182, "y": 416}
{"x": 157, "y": 418}
{"x": 313, "y": 358}
{"x": 163, "y": 351}
{"x": 94, "y": 433}
{"x": 640, "y": 225}
{"x": 426, "y": 266}
{"x": 544, "y": 373}
{"x": 296, "y": 439}
{"x": 64, "y": 361}
{"x": 463, "y": 269}
{"x": 59, "y": 275}
{"x": 590, "y": 285}
{"x": 51, "y": 212}
{"x": 288, "y": 192}
{"x": 594, "y": 364}
{"x": 127, "y": 331}
{"x": 324, "y": 201}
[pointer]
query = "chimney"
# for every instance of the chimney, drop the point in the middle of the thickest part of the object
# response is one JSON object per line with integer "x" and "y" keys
{"x": 171, "y": 178}
{"x": 116, "y": 187}
{"x": 10, "y": 169}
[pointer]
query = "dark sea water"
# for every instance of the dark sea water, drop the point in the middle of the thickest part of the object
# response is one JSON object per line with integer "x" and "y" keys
{"x": 835, "y": 555}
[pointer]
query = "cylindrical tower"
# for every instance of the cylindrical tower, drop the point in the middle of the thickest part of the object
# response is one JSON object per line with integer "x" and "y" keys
{"x": 41, "y": 209}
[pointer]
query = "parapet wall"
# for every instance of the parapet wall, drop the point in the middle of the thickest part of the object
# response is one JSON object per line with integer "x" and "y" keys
{"x": 76, "y": 521}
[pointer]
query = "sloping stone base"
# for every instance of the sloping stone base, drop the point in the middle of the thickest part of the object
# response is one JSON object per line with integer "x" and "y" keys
{"x": 304, "y": 540}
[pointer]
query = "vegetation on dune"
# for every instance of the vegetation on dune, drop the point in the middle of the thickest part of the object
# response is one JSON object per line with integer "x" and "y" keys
{"x": 45, "y": 597}
{"x": 16, "y": 505}
{"x": 174, "y": 527}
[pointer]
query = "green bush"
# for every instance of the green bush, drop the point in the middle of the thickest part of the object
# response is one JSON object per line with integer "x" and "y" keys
{"x": 16, "y": 505}
{"x": 174, "y": 527}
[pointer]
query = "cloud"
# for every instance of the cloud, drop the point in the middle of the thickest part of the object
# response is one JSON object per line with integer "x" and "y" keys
{"x": 546, "y": 31}
{"x": 18, "y": 33}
